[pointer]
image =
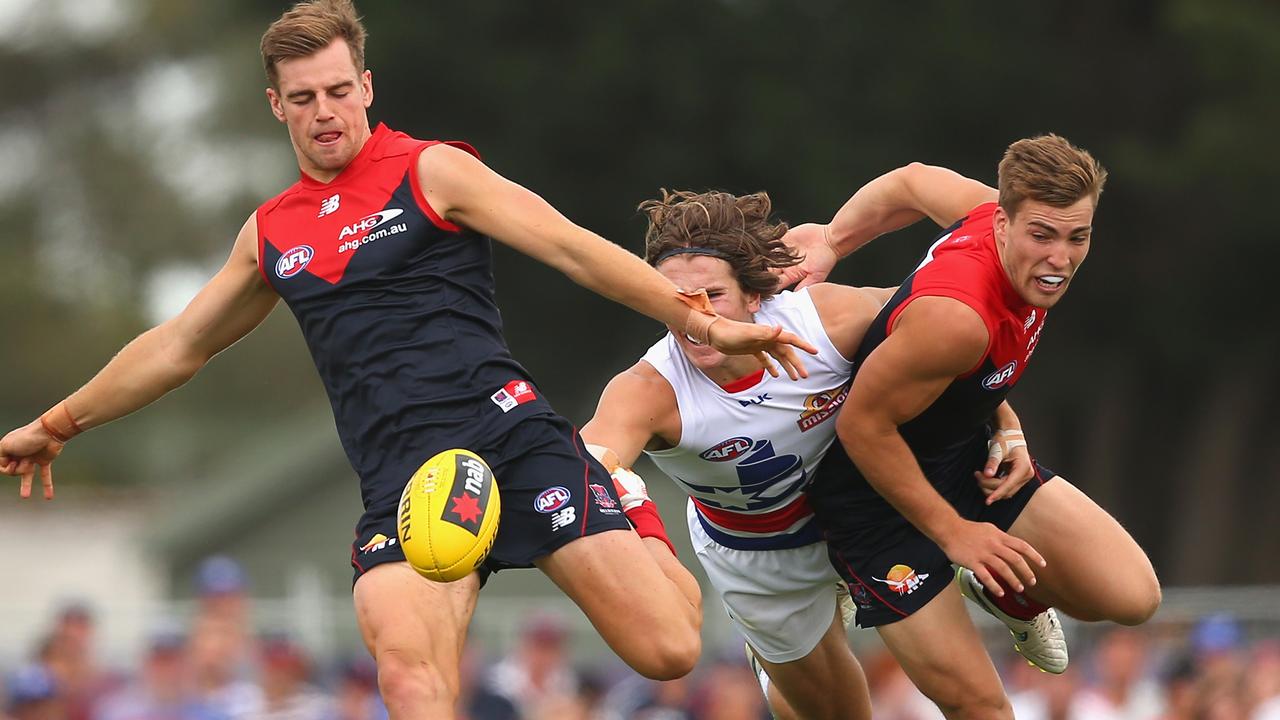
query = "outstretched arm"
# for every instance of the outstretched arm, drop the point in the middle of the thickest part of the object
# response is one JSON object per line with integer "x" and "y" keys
{"x": 638, "y": 410}
{"x": 464, "y": 190}
{"x": 890, "y": 202}
{"x": 234, "y": 302}
{"x": 936, "y": 339}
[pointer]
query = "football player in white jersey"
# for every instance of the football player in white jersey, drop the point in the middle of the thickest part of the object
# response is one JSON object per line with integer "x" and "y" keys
{"x": 742, "y": 445}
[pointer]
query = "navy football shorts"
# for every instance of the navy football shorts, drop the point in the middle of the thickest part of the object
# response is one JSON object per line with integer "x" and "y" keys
{"x": 892, "y": 568}
{"x": 553, "y": 492}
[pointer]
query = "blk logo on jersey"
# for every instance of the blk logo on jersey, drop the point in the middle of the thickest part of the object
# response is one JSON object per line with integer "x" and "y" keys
{"x": 467, "y": 503}
{"x": 1001, "y": 377}
{"x": 757, "y": 400}
{"x": 730, "y": 449}
{"x": 552, "y": 499}
{"x": 293, "y": 261}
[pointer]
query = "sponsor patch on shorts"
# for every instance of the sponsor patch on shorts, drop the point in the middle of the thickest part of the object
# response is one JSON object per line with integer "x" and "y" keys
{"x": 513, "y": 395}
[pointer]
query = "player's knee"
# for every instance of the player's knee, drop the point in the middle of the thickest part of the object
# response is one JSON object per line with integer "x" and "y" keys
{"x": 976, "y": 704}
{"x": 669, "y": 655}
{"x": 407, "y": 680}
{"x": 1143, "y": 601}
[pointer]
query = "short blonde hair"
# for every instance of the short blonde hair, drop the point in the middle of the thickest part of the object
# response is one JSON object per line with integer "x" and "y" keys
{"x": 307, "y": 28}
{"x": 1048, "y": 169}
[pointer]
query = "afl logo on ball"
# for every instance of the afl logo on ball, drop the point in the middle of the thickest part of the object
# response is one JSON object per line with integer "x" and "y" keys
{"x": 1001, "y": 377}
{"x": 551, "y": 499}
{"x": 293, "y": 261}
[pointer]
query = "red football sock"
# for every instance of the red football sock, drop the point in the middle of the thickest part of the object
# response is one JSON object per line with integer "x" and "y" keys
{"x": 648, "y": 523}
{"x": 1015, "y": 604}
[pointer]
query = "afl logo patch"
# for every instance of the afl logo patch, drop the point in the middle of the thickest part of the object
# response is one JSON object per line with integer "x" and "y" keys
{"x": 293, "y": 261}
{"x": 728, "y": 450}
{"x": 1001, "y": 377}
{"x": 551, "y": 499}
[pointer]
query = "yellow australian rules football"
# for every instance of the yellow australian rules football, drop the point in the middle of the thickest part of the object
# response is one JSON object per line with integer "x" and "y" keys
{"x": 448, "y": 515}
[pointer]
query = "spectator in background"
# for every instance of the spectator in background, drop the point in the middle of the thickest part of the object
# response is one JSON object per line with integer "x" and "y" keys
{"x": 729, "y": 691}
{"x": 221, "y": 657}
{"x": 284, "y": 675}
{"x": 638, "y": 698}
{"x": 1122, "y": 690}
{"x": 1262, "y": 682}
{"x": 162, "y": 690}
{"x": 1179, "y": 681}
{"x": 356, "y": 694}
{"x": 537, "y": 670}
{"x": 33, "y": 694}
{"x": 476, "y": 700}
{"x": 68, "y": 653}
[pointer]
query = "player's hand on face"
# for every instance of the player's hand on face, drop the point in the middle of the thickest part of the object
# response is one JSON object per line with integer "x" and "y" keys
{"x": 762, "y": 341}
{"x": 810, "y": 239}
{"x": 28, "y": 451}
{"x": 990, "y": 552}
{"x": 1008, "y": 465}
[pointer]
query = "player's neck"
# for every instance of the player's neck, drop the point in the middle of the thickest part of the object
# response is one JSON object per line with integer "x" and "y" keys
{"x": 734, "y": 369}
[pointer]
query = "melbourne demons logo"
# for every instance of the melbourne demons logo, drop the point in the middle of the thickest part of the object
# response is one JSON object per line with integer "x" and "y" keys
{"x": 1001, "y": 377}
{"x": 293, "y": 261}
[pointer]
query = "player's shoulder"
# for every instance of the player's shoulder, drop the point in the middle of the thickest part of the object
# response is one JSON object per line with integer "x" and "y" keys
{"x": 845, "y": 312}
{"x": 274, "y": 204}
{"x": 642, "y": 379}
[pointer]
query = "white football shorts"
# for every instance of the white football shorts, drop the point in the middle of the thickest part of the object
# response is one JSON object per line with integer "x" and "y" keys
{"x": 782, "y": 601}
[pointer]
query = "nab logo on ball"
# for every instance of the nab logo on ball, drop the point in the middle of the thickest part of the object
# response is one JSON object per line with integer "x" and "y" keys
{"x": 467, "y": 504}
{"x": 293, "y": 261}
{"x": 1001, "y": 377}
{"x": 730, "y": 449}
{"x": 551, "y": 499}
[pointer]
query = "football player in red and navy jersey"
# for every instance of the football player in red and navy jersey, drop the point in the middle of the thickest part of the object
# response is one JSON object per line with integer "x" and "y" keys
{"x": 381, "y": 251}
{"x": 925, "y": 487}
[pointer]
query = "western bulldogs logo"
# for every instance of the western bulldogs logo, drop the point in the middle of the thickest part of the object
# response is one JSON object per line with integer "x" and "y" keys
{"x": 730, "y": 449}
{"x": 1001, "y": 377}
{"x": 551, "y": 499}
{"x": 293, "y": 261}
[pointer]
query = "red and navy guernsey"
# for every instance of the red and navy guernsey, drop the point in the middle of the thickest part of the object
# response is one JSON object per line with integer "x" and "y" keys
{"x": 963, "y": 264}
{"x": 397, "y": 308}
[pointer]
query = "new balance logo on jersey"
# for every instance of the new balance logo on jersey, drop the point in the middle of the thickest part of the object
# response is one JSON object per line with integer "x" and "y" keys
{"x": 1001, "y": 377}
{"x": 293, "y": 261}
{"x": 365, "y": 224}
{"x": 757, "y": 400}
{"x": 329, "y": 205}
{"x": 1026, "y": 325}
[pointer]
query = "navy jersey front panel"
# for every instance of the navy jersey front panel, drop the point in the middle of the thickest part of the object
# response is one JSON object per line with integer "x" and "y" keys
{"x": 397, "y": 308}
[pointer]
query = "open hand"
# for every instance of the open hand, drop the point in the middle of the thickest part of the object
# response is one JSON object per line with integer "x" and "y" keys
{"x": 738, "y": 338}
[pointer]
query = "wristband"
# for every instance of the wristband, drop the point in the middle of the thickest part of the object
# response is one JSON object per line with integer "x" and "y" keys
{"x": 59, "y": 423}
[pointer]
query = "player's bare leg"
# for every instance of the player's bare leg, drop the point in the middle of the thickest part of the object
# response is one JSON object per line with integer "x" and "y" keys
{"x": 1081, "y": 542}
{"x": 940, "y": 650}
{"x": 826, "y": 684}
{"x": 415, "y": 630}
{"x": 650, "y": 620}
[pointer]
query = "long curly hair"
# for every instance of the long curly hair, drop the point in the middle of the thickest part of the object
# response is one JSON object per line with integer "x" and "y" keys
{"x": 737, "y": 228}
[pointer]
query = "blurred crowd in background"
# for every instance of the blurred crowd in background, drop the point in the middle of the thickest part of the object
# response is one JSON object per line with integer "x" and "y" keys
{"x": 217, "y": 666}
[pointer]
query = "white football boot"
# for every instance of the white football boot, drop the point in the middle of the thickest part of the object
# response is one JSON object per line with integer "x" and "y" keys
{"x": 1039, "y": 640}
